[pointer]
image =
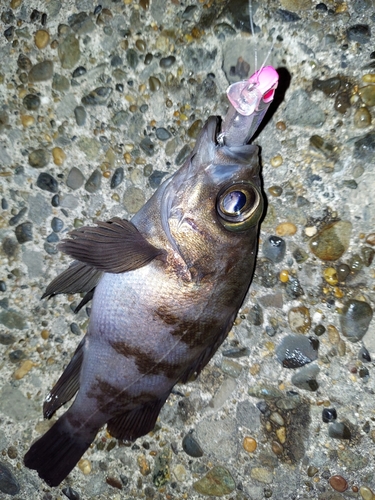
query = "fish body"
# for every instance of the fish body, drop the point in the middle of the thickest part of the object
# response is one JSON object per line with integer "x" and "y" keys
{"x": 166, "y": 288}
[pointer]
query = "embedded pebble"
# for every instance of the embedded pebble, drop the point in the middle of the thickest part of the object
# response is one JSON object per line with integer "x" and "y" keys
{"x": 191, "y": 446}
{"x": 8, "y": 482}
{"x": 299, "y": 319}
{"x": 120, "y": 118}
{"x": 167, "y": 62}
{"x": 368, "y": 95}
{"x": 132, "y": 58}
{"x": 94, "y": 181}
{"x": 39, "y": 158}
{"x": 31, "y": 102}
{"x": 355, "y": 319}
{"x": 286, "y": 229}
{"x": 98, "y": 96}
{"x": 218, "y": 481}
{"x": 117, "y": 177}
{"x": 231, "y": 367}
{"x": 60, "y": 83}
{"x": 305, "y": 378}
{"x": 332, "y": 241}
{"x": 342, "y": 102}
{"x": 59, "y": 156}
{"x": 180, "y": 472}
{"x": 144, "y": 465}
{"x": 330, "y": 275}
{"x": 236, "y": 352}
{"x": 57, "y": 224}
{"x": 75, "y": 178}
{"x": 70, "y": 493}
{"x": 41, "y": 72}
{"x": 161, "y": 472}
{"x": 85, "y": 466}
{"x": 24, "y": 63}
{"x": 339, "y": 430}
{"x": 162, "y": 134}
{"x": 295, "y": 351}
{"x": 156, "y": 177}
{"x": 364, "y": 355}
{"x": 360, "y": 33}
{"x": 368, "y": 255}
{"x": 329, "y": 415}
{"x": 24, "y": 232}
{"x": 69, "y": 51}
{"x": 366, "y": 493}
{"x": 134, "y": 199}
{"x": 276, "y": 161}
{"x": 249, "y": 444}
{"x": 274, "y": 249}
{"x": 364, "y": 148}
{"x": 194, "y": 129}
{"x": 362, "y": 118}
{"x": 27, "y": 120}
{"x": 80, "y": 115}
{"x": 48, "y": 183}
{"x": 262, "y": 475}
{"x": 329, "y": 87}
{"x": 147, "y": 146}
{"x": 24, "y": 369}
{"x": 338, "y": 483}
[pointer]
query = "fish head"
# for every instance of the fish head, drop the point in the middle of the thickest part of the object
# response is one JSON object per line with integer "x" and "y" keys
{"x": 215, "y": 200}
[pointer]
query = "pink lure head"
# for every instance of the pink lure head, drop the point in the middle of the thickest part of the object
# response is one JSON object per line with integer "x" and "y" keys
{"x": 247, "y": 95}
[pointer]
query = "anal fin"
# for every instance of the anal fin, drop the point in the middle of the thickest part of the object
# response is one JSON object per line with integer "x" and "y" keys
{"x": 67, "y": 385}
{"x": 79, "y": 277}
{"x": 138, "y": 422}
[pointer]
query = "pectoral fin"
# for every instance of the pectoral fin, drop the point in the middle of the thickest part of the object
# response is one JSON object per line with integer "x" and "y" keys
{"x": 67, "y": 385}
{"x": 115, "y": 246}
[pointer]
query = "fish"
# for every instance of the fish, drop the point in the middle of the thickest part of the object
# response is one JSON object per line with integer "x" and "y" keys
{"x": 165, "y": 286}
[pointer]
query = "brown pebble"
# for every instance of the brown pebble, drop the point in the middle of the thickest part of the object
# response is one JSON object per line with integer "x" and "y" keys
{"x": 27, "y": 120}
{"x": 366, "y": 493}
{"x": 58, "y": 156}
{"x": 286, "y": 229}
{"x": 14, "y": 4}
{"x": 23, "y": 369}
{"x": 144, "y": 465}
{"x": 41, "y": 39}
{"x": 338, "y": 483}
{"x": 249, "y": 444}
{"x": 12, "y": 452}
{"x": 276, "y": 161}
{"x": 114, "y": 482}
{"x": 85, "y": 466}
{"x": 281, "y": 434}
{"x": 45, "y": 334}
{"x": 362, "y": 118}
{"x": 275, "y": 191}
{"x": 333, "y": 334}
{"x": 371, "y": 239}
{"x": 277, "y": 448}
{"x": 281, "y": 126}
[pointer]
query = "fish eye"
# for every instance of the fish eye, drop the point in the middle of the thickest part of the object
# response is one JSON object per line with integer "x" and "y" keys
{"x": 239, "y": 206}
{"x": 233, "y": 202}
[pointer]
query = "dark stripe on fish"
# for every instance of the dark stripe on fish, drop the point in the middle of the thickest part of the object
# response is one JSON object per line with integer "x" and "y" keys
{"x": 146, "y": 364}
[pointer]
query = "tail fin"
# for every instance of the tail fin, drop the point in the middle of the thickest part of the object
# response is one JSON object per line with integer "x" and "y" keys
{"x": 56, "y": 453}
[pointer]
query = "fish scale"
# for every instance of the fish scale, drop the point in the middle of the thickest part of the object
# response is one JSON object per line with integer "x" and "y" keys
{"x": 166, "y": 288}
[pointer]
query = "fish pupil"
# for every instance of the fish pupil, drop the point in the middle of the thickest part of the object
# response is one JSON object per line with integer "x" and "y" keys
{"x": 234, "y": 202}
